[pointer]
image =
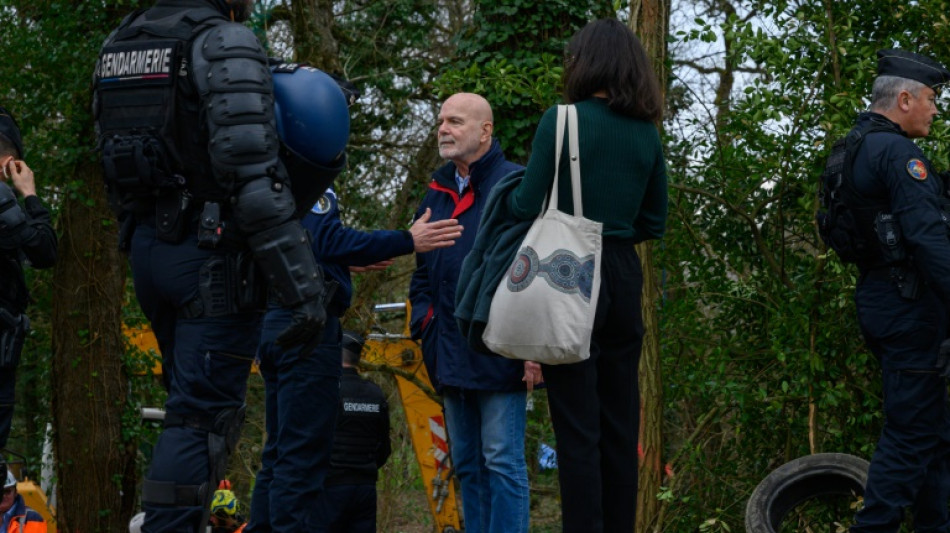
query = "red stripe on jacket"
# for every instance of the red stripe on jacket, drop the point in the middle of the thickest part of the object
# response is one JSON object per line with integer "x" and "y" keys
{"x": 462, "y": 204}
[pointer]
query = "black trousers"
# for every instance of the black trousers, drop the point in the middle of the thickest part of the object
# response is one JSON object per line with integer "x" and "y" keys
{"x": 595, "y": 405}
{"x": 911, "y": 463}
{"x": 349, "y": 508}
{"x": 7, "y": 399}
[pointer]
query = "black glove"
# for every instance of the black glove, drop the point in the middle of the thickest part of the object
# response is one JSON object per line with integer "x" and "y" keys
{"x": 306, "y": 327}
{"x": 943, "y": 359}
{"x": 306, "y": 323}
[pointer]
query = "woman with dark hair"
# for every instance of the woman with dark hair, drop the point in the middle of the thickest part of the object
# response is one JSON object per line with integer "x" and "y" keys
{"x": 595, "y": 405}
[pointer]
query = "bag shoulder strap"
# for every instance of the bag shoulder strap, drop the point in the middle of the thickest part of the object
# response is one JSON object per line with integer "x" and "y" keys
{"x": 574, "y": 152}
{"x": 567, "y": 118}
{"x": 558, "y": 144}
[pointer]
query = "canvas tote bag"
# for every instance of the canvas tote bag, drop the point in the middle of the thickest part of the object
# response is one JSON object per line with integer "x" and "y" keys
{"x": 543, "y": 309}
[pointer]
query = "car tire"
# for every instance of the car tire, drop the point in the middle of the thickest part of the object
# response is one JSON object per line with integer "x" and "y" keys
{"x": 799, "y": 480}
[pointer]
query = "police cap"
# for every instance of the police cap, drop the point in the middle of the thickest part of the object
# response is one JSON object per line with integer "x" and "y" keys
{"x": 10, "y": 130}
{"x": 353, "y": 342}
{"x": 909, "y": 65}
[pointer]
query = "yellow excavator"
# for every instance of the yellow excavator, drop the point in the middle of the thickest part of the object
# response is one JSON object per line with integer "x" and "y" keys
{"x": 402, "y": 356}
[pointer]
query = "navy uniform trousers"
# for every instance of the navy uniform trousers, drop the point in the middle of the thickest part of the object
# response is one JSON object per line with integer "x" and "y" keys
{"x": 206, "y": 362}
{"x": 7, "y": 400}
{"x": 911, "y": 464}
{"x": 350, "y": 508}
{"x": 302, "y": 393}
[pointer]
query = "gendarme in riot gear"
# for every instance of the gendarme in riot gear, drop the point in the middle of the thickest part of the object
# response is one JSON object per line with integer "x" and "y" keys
{"x": 184, "y": 110}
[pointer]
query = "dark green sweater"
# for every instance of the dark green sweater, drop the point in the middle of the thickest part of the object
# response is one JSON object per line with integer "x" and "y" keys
{"x": 623, "y": 175}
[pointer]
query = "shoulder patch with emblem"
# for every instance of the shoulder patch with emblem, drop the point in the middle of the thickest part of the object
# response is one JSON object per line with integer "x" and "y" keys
{"x": 917, "y": 169}
{"x": 322, "y": 206}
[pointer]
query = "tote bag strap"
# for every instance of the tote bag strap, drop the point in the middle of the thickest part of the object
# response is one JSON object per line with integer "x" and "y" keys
{"x": 574, "y": 152}
{"x": 566, "y": 117}
{"x": 558, "y": 144}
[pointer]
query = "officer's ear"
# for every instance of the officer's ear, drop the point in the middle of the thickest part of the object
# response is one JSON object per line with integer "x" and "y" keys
{"x": 903, "y": 100}
{"x": 4, "y": 161}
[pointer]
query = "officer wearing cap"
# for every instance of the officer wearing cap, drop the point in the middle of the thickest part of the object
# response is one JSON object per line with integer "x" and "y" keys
{"x": 360, "y": 447}
{"x": 903, "y": 294}
{"x": 26, "y": 237}
{"x": 184, "y": 111}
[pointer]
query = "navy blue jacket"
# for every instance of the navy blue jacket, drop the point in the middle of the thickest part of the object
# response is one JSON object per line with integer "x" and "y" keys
{"x": 890, "y": 166}
{"x": 448, "y": 358}
{"x": 338, "y": 247}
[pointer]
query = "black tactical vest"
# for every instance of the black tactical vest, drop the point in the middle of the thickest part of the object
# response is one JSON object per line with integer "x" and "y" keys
{"x": 14, "y": 296}
{"x": 147, "y": 111}
{"x": 356, "y": 440}
{"x": 848, "y": 221}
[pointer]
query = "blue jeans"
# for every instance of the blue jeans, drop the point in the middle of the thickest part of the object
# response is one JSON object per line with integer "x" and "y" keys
{"x": 486, "y": 440}
{"x": 301, "y": 397}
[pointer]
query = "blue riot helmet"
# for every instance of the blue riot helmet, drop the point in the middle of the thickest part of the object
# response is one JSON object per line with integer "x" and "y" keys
{"x": 313, "y": 122}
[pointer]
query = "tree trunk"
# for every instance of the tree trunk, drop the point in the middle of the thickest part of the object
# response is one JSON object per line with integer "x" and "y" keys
{"x": 312, "y": 28}
{"x": 650, "y": 20}
{"x": 95, "y": 467}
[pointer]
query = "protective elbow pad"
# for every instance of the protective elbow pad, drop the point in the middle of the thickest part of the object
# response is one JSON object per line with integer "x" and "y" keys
{"x": 12, "y": 219}
{"x": 262, "y": 204}
{"x": 285, "y": 256}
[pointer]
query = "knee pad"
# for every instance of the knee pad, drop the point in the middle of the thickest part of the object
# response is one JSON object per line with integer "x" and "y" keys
{"x": 171, "y": 494}
{"x": 223, "y": 439}
{"x": 224, "y": 431}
